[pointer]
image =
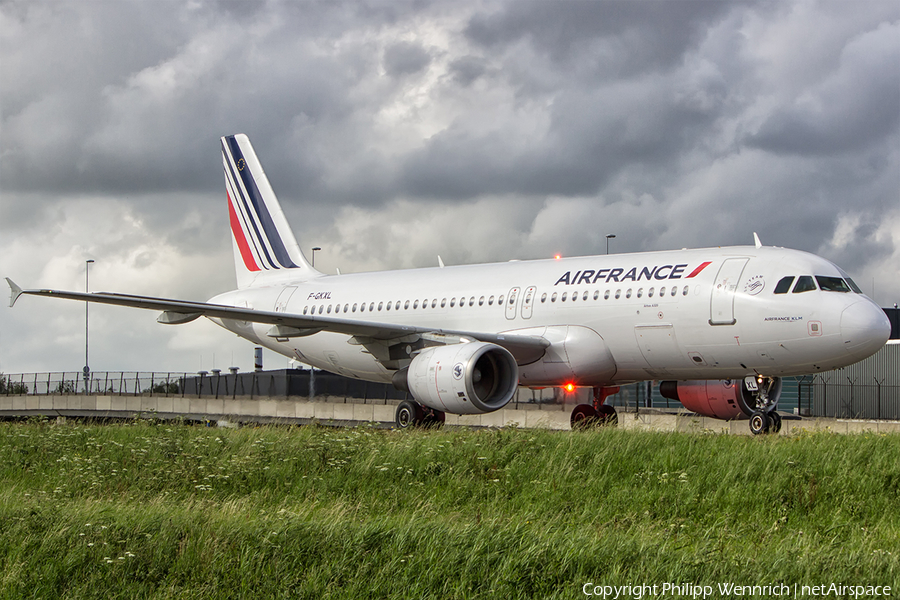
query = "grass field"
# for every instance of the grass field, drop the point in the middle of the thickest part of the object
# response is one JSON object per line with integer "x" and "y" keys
{"x": 166, "y": 510}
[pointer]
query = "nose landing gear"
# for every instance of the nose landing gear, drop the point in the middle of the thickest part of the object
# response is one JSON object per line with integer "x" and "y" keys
{"x": 764, "y": 393}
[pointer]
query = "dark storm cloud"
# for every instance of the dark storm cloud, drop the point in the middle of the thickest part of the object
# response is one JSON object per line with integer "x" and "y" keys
{"x": 616, "y": 38}
{"x": 405, "y": 58}
{"x": 857, "y": 105}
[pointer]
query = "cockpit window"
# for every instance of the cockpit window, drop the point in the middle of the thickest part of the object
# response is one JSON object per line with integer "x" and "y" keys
{"x": 832, "y": 284}
{"x": 853, "y": 286}
{"x": 805, "y": 283}
{"x": 784, "y": 285}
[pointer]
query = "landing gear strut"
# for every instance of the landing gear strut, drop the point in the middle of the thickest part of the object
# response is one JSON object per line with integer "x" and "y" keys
{"x": 764, "y": 393}
{"x": 585, "y": 416}
{"x": 412, "y": 414}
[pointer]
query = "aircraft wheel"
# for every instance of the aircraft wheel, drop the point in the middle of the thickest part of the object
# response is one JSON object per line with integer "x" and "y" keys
{"x": 608, "y": 415}
{"x": 583, "y": 417}
{"x": 776, "y": 422}
{"x": 759, "y": 423}
{"x": 409, "y": 414}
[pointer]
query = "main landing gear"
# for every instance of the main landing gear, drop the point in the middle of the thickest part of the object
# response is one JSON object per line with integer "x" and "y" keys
{"x": 585, "y": 416}
{"x": 412, "y": 414}
{"x": 764, "y": 392}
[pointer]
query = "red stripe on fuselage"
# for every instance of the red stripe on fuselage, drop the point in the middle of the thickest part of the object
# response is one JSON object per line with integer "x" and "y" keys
{"x": 696, "y": 271}
{"x": 238, "y": 233}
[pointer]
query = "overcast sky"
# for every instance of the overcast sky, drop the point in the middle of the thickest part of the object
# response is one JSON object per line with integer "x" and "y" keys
{"x": 396, "y": 131}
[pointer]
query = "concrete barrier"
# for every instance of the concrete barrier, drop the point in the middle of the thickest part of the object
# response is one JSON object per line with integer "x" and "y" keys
{"x": 334, "y": 410}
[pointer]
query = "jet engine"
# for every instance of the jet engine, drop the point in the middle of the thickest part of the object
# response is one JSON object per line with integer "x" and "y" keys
{"x": 722, "y": 399}
{"x": 469, "y": 378}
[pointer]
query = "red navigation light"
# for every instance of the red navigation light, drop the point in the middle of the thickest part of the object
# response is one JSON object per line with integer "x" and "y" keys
{"x": 570, "y": 387}
{"x": 558, "y": 256}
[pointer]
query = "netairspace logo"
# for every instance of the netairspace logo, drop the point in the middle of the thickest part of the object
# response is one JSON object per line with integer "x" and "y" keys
{"x": 731, "y": 590}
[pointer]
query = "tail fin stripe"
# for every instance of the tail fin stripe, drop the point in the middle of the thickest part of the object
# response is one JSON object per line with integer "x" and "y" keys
{"x": 262, "y": 212}
{"x": 240, "y": 238}
{"x": 258, "y": 240}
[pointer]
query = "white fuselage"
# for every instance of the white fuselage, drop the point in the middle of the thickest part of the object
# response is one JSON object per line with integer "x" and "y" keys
{"x": 689, "y": 314}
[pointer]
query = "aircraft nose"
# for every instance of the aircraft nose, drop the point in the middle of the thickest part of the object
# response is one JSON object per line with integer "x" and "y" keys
{"x": 864, "y": 329}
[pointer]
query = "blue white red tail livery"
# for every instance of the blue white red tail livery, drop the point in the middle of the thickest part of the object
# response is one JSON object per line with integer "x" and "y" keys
{"x": 263, "y": 240}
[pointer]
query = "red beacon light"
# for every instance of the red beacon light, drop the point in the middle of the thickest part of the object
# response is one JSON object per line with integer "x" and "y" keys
{"x": 569, "y": 387}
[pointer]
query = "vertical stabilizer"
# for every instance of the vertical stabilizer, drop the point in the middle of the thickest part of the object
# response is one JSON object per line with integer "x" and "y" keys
{"x": 263, "y": 241}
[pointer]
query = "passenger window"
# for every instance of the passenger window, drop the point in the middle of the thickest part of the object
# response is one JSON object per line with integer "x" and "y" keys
{"x": 650, "y": 293}
{"x": 388, "y": 306}
{"x": 675, "y": 291}
{"x": 684, "y": 292}
{"x": 434, "y": 303}
{"x": 415, "y": 304}
{"x": 452, "y": 302}
{"x": 354, "y": 307}
{"x": 491, "y": 301}
{"x": 784, "y": 285}
{"x": 662, "y": 291}
{"x": 481, "y": 301}
{"x": 628, "y": 293}
{"x": 397, "y": 305}
{"x": 346, "y": 308}
{"x": 832, "y": 284}
{"x": 606, "y": 295}
{"x": 596, "y": 294}
{"x": 553, "y": 297}
{"x": 406, "y": 305}
{"x": 321, "y": 309}
{"x": 640, "y": 293}
{"x": 305, "y": 309}
{"x": 543, "y": 297}
{"x": 500, "y": 301}
{"x": 380, "y": 306}
{"x": 472, "y": 301}
{"x": 805, "y": 283}
{"x": 618, "y": 294}
{"x": 565, "y": 294}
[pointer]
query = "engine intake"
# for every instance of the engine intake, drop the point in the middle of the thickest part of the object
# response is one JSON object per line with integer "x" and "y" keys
{"x": 470, "y": 378}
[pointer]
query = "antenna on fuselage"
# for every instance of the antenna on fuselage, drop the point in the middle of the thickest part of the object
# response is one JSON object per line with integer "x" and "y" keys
{"x": 440, "y": 262}
{"x": 756, "y": 240}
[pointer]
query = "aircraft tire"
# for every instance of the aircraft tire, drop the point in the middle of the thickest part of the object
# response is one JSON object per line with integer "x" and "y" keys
{"x": 775, "y": 418}
{"x": 583, "y": 417}
{"x": 409, "y": 414}
{"x": 759, "y": 423}
{"x": 608, "y": 416}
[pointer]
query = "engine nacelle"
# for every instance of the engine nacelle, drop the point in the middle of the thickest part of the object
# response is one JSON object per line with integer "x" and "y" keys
{"x": 469, "y": 378}
{"x": 721, "y": 399}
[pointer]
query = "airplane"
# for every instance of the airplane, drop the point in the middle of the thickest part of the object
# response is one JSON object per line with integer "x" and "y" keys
{"x": 719, "y": 327}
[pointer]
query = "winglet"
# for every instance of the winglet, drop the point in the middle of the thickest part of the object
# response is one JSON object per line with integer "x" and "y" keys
{"x": 14, "y": 292}
{"x": 756, "y": 240}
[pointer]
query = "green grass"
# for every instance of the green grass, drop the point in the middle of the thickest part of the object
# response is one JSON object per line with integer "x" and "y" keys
{"x": 165, "y": 510}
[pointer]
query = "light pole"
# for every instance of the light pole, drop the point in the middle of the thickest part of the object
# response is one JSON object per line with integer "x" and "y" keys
{"x": 608, "y": 237}
{"x": 87, "y": 369}
{"x": 314, "y": 255}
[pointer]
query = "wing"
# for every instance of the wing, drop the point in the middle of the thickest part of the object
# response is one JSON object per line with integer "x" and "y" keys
{"x": 525, "y": 349}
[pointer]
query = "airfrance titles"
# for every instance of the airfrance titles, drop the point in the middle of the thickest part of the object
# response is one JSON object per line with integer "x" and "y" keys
{"x": 618, "y": 275}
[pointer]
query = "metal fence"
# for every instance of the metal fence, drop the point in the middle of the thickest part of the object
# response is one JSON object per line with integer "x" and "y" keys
{"x": 828, "y": 396}
{"x": 831, "y": 394}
